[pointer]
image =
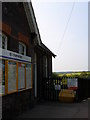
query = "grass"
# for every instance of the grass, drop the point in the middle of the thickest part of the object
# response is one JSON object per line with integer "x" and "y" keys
{"x": 83, "y": 74}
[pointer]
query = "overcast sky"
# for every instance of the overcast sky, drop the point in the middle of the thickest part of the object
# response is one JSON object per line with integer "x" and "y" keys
{"x": 64, "y": 30}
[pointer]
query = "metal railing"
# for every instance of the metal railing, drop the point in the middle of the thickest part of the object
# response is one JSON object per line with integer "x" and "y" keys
{"x": 52, "y": 86}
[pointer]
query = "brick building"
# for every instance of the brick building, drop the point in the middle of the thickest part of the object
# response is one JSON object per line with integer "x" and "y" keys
{"x": 24, "y": 59}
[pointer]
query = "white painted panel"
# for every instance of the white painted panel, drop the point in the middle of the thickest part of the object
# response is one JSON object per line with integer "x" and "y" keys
{"x": 28, "y": 76}
{"x": 11, "y": 76}
{"x": 21, "y": 76}
{"x": 13, "y": 55}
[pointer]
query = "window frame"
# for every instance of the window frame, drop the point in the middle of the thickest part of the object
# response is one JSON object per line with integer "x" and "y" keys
{"x": 23, "y": 45}
{"x": 6, "y": 40}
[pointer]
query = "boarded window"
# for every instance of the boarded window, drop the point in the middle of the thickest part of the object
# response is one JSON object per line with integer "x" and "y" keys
{"x": 11, "y": 76}
{"x": 28, "y": 76}
{"x": 21, "y": 76}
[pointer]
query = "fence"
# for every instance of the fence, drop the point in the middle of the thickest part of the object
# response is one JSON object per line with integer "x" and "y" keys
{"x": 49, "y": 90}
{"x": 53, "y": 86}
{"x": 83, "y": 88}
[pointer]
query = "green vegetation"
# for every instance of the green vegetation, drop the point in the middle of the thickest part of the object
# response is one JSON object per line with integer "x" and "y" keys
{"x": 83, "y": 74}
{"x": 55, "y": 75}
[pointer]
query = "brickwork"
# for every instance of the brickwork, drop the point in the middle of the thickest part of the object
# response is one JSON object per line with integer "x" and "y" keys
{"x": 16, "y": 103}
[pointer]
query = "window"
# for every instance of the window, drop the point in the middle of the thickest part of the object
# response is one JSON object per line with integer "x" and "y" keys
{"x": 22, "y": 48}
{"x": 3, "y": 41}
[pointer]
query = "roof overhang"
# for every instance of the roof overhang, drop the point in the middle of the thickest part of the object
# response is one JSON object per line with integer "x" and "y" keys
{"x": 34, "y": 27}
{"x": 32, "y": 20}
{"x": 45, "y": 50}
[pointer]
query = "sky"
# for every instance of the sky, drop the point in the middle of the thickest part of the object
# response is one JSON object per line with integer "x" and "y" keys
{"x": 63, "y": 28}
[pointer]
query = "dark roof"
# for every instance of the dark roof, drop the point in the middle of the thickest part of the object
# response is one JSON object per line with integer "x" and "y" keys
{"x": 46, "y": 49}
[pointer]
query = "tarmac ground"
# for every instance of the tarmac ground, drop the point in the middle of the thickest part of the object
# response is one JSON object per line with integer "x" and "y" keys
{"x": 57, "y": 110}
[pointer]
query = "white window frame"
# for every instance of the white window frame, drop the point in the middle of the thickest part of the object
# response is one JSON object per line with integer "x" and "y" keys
{"x": 3, "y": 35}
{"x": 20, "y": 43}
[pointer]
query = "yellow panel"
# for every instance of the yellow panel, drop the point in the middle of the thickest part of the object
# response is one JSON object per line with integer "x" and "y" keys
{"x": 66, "y": 95}
{"x": 6, "y": 77}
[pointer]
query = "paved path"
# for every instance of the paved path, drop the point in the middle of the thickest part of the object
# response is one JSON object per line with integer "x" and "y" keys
{"x": 57, "y": 110}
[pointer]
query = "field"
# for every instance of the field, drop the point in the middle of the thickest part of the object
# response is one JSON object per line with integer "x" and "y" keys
{"x": 83, "y": 74}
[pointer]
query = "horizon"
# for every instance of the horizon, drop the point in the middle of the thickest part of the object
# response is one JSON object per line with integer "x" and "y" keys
{"x": 70, "y": 71}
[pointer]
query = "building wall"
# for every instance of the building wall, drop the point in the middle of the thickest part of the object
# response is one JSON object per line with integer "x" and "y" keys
{"x": 14, "y": 17}
{"x": 40, "y": 69}
{"x": 15, "y": 22}
{"x": 16, "y": 103}
{"x": 50, "y": 66}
